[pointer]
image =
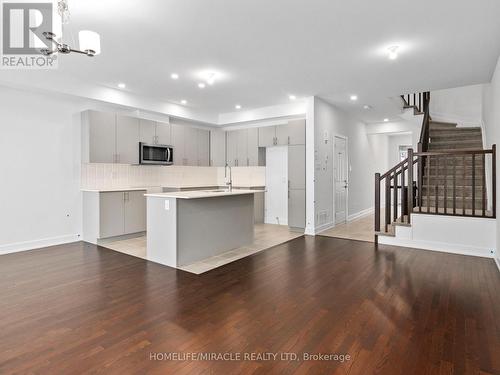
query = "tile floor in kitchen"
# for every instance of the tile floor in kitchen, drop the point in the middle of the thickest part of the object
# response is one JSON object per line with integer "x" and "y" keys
{"x": 266, "y": 236}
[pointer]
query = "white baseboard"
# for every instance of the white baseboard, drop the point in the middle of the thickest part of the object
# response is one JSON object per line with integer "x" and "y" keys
{"x": 323, "y": 227}
{"x": 37, "y": 244}
{"x": 437, "y": 246}
{"x": 360, "y": 214}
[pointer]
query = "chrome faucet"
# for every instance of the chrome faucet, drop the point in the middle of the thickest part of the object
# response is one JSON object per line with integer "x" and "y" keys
{"x": 229, "y": 181}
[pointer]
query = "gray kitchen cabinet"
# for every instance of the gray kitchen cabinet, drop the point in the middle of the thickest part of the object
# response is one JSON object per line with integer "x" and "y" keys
{"x": 99, "y": 137}
{"x": 127, "y": 136}
{"x": 203, "y": 147}
{"x": 147, "y": 131}
{"x": 111, "y": 213}
{"x": 178, "y": 143}
{"x": 293, "y": 133}
{"x": 267, "y": 136}
{"x": 241, "y": 148}
{"x": 253, "y": 147}
{"x": 217, "y": 148}
{"x": 190, "y": 146}
{"x": 162, "y": 133}
{"x": 296, "y": 186}
{"x": 297, "y": 209}
{"x": 297, "y": 166}
{"x": 134, "y": 212}
{"x": 232, "y": 148}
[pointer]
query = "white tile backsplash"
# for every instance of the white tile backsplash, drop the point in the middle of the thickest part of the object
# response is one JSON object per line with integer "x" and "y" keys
{"x": 110, "y": 176}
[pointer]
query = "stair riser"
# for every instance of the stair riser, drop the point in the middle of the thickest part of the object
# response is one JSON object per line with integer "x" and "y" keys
{"x": 458, "y": 203}
{"x": 459, "y": 191}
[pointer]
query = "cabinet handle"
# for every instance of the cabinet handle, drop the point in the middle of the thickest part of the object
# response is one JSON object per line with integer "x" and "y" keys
{"x": 288, "y": 139}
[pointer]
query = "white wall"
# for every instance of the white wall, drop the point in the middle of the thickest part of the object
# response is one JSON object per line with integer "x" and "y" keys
{"x": 459, "y": 235}
{"x": 395, "y": 141}
{"x": 40, "y": 170}
{"x": 462, "y": 105}
{"x": 328, "y": 122}
{"x": 491, "y": 120}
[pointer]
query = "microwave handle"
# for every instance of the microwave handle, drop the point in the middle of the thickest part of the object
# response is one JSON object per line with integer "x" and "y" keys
{"x": 168, "y": 154}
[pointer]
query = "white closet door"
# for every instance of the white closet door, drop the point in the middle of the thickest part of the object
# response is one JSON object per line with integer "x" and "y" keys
{"x": 276, "y": 208}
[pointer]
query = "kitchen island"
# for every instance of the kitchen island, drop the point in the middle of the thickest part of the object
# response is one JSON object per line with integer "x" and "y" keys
{"x": 188, "y": 226}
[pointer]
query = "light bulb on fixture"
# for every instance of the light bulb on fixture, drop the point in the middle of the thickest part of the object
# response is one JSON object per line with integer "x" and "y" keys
{"x": 201, "y": 85}
{"x": 183, "y": 102}
{"x": 393, "y": 52}
{"x": 386, "y": 120}
{"x": 292, "y": 97}
{"x": 121, "y": 85}
{"x": 174, "y": 76}
{"x": 237, "y": 106}
{"x": 211, "y": 78}
{"x": 354, "y": 98}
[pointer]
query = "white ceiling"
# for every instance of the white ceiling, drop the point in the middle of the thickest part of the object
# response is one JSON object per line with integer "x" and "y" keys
{"x": 268, "y": 49}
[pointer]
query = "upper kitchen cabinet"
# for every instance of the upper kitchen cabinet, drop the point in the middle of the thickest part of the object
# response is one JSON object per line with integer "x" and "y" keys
{"x": 232, "y": 148}
{"x": 178, "y": 143}
{"x": 127, "y": 136}
{"x": 203, "y": 147}
{"x": 154, "y": 132}
{"x": 147, "y": 131}
{"x": 267, "y": 136}
{"x": 217, "y": 148}
{"x": 253, "y": 147}
{"x": 294, "y": 133}
{"x": 163, "y": 133}
{"x": 190, "y": 146}
{"x": 98, "y": 137}
{"x": 243, "y": 147}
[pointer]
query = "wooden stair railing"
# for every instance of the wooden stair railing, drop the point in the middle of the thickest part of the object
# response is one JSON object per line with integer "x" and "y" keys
{"x": 440, "y": 194}
{"x": 448, "y": 189}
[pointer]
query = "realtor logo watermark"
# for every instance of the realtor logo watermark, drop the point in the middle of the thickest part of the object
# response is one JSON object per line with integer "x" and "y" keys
{"x": 23, "y": 24}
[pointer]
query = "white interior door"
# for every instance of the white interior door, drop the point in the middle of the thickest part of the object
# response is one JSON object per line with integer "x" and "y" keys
{"x": 276, "y": 201}
{"x": 340, "y": 174}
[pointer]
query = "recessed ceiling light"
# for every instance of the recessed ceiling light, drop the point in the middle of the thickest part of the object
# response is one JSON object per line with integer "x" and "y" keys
{"x": 201, "y": 85}
{"x": 292, "y": 97}
{"x": 353, "y": 98}
{"x": 237, "y": 106}
{"x": 174, "y": 76}
{"x": 211, "y": 78}
{"x": 121, "y": 85}
{"x": 183, "y": 101}
{"x": 386, "y": 120}
{"x": 366, "y": 106}
{"x": 393, "y": 52}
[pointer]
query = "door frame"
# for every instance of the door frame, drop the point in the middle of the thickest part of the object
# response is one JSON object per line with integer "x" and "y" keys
{"x": 347, "y": 176}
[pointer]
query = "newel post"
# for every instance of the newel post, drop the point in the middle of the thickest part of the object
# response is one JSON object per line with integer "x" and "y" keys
{"x": 377, "y": 203}
{"x": 409, "y": 201}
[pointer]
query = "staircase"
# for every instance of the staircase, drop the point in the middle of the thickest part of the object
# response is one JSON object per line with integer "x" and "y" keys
{"x": 450, "y": 174}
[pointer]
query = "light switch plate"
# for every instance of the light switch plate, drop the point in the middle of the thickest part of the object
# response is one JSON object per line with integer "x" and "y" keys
{"x": 167, "y": 205}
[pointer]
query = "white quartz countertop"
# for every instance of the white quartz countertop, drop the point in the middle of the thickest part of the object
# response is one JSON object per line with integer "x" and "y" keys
{"x": 110, "y": 190}
{"x": 195, "y": 194}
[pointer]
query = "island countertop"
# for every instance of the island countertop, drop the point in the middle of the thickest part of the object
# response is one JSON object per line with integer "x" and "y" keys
{"x": 196, "y": 194}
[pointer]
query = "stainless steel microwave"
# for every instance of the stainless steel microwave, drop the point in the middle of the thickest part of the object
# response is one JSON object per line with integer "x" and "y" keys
{"x": 155, "y": 154}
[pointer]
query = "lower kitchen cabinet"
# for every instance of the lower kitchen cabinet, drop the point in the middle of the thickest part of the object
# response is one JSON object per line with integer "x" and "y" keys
{"x": 111, "y": 214}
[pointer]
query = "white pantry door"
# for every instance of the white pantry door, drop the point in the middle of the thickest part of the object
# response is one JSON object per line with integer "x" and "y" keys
{"x": 340, "y": 179}
{"x": 276, "y": 201}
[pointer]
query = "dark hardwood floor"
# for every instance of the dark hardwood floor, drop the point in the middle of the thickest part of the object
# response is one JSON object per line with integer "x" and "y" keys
{"x": 78, "y": 309}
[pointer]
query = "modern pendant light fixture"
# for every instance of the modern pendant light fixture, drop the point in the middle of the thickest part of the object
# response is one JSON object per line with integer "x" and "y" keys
{"x": 90, "y": 41}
